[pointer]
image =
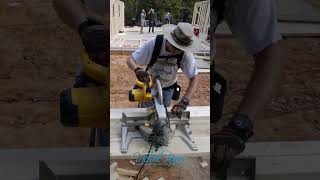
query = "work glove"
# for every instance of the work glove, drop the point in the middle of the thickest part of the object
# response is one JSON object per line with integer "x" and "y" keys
{"x": 180, "y": 107}
{"x": 142, "y": 75}
{"x": 230, "y": 142}
{"x": 95, "y": 40}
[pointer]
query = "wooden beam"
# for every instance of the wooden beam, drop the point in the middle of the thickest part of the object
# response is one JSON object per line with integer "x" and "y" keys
{"x": 66, "y": 170}
{"x": 285, "y": 160}
{"x": 289, "y": 30}
{"x": 18, "y": 164}
{"x": 127, "y": 172}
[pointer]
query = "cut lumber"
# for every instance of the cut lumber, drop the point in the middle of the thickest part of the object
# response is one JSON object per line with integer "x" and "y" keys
{"x": 132, "y": 162}
{"x": 127, "y": 172}
{"x": 114, "y": 176}
{"x": 123, "y": 177}
{"x": 204, "y": 164}
{"x": 113, "y": 165}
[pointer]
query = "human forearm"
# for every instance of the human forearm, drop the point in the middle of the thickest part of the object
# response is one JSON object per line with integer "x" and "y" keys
{"x": 193, "y": 84}
{"x": 70, "y": 12}
{"x": 132, "y": 63}
{"x": 264, "y": 80}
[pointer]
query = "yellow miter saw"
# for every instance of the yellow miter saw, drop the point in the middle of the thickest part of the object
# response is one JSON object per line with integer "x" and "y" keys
{"x": 156, "y": 125}
{"x": 87, "y": 106}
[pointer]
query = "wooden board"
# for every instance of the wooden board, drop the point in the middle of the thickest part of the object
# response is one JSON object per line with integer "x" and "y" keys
{"x": 286, "y": 30}
{"x": 299, "y": 10}
{"x": 66, "y": 170}
{"x": 285, "y": 160}
{"x": 200, "y": 125}
{"x": 23, "y": 164}
{"x": 296, "y": 148}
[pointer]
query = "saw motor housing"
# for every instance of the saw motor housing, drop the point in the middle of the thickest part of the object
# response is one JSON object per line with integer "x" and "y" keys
{"x": 87, "y": 106}
{"x": 141, "y": 92}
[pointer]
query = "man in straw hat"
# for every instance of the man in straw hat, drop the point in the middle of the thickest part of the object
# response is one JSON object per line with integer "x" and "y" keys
{"x": 163, "y": 56}
{"x": 254, "y": 25}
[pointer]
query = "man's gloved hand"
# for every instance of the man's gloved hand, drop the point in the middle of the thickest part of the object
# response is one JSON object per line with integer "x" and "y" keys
{"x": 180, "y": 107}
{"x": 230, "y": 142}
{"x": 142, "y": 75}
{"x": 95, "y": 40}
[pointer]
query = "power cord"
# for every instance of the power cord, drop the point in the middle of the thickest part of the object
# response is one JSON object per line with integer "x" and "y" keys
{"x": 153, "y": 141}
{"x": 144, "y": 162}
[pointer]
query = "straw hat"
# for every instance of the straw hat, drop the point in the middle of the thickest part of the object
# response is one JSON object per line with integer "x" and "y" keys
{"x": 181, "y": 36}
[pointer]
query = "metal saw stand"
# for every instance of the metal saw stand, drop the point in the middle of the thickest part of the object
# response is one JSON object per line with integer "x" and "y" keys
{"x": 179, "y": 128}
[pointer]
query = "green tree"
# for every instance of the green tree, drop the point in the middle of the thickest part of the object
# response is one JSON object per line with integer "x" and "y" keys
{"x": 179, "y": 9}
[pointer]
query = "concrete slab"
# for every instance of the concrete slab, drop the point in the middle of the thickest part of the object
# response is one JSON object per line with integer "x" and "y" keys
{"x": 202, "y": 63}
{"x": 131, "y": 40}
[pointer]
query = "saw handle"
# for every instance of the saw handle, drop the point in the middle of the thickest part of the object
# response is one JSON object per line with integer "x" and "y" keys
{"x": 144, "y": 85}
{"x": 141, "y": 92}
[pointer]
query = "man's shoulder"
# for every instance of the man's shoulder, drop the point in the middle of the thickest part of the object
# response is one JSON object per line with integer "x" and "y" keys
{"x": 148, "y": 46}
{"x": 187, "y": 56}
{"x": 151, "y": 41}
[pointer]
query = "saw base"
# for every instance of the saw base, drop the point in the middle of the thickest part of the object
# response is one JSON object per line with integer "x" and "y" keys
{"x": 145, "y": 122}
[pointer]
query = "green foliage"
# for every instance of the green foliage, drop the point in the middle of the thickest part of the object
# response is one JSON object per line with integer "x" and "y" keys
{"x": 179, "y": 9}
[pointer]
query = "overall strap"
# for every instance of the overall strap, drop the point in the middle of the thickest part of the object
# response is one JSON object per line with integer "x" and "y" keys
{"x": 156, "y": 51}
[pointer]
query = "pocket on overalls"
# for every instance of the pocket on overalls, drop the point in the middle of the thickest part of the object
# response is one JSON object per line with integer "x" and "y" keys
{"x": 176, "y": 92}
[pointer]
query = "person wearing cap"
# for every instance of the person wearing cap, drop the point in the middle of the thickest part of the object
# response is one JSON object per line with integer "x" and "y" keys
{"x": 254, "y": 24}
{"x": 88, "y": 18}
{"x": 162, "y": 57}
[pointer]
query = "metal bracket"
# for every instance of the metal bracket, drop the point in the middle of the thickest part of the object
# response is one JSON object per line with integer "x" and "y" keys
{"x": 127, "y": 137}
{"x": 185, "y": 133}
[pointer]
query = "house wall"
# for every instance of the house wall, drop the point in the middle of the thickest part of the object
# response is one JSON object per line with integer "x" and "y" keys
{"x": 116, "y": 17}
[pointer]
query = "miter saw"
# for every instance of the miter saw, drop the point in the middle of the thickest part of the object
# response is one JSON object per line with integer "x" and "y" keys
{"x": 156, "y": 125}
{"x": 87, "y": 106}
